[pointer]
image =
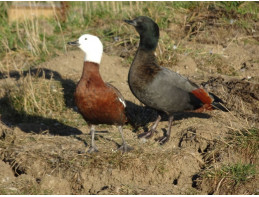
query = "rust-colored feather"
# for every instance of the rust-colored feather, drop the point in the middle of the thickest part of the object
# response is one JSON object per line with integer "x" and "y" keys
{"x": 202, "y": 95}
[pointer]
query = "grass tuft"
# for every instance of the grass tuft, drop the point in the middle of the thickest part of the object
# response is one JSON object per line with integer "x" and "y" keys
{"x": 246, "y": 142}
{"x": 235, "y": 173}
{"x": 27, "y": 97}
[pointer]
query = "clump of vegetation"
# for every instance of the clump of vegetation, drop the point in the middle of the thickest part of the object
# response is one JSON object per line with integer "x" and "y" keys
{"x": 246, "y": 142}
{"x": 244, "y": 145}
{"x": 37, "y": 95}
{"x": 234, "y": 173}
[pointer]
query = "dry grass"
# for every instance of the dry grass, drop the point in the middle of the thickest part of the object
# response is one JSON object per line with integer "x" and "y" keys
{"x": 38, "y": 97}
{"x": 27, "y": 97}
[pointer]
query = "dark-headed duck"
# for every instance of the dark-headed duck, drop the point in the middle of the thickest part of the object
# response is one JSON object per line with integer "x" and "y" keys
{"x": 159, "y": 87}
{"x": 97, "y": 101}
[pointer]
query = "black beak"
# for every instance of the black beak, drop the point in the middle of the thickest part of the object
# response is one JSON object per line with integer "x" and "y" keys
{"x": 131, "y": 22}
{"x": 75, "y": 43}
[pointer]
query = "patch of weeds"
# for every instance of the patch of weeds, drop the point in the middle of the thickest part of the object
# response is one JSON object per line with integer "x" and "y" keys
{"x": 78, "y": 18}
{"x": 250, "y": 8}
{"x": 230, "y": 5}
{"x": 246, "y": 141}
{"x": 235, "y": 173}
{"x": 229, "y": 177}
{"x": 233, "y": 8}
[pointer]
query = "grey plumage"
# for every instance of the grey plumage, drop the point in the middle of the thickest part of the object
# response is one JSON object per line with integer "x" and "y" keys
{"x": 159, "y": 87}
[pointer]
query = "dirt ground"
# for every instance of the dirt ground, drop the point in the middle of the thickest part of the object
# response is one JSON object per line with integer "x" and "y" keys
{"x": 41, "y": 162}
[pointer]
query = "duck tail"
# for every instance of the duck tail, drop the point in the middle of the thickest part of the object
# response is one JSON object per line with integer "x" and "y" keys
{"x": 218, "y": 103}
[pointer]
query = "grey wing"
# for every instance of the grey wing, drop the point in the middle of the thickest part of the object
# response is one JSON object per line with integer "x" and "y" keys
{"x": 170, "y": 92}
{"x": 178, "y": 80}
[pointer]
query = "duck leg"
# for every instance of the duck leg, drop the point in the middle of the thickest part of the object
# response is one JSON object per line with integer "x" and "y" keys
{"x": 93, "y": 147}
{"x": 151, "y": 131}
{"x": 166, "y": 137}
{"x": 124, "y": 147}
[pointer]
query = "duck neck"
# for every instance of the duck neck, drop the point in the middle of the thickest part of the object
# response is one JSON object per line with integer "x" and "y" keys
{"x": 145, "y": 56}
{"x": 148, "y": 43}
{"x": 91, "y": 72}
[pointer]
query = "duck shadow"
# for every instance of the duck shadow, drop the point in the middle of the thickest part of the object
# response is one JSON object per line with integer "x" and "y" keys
{"x": 140, "y": 116}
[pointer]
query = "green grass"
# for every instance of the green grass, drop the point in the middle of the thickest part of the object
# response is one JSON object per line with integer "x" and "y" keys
{"x": 246, "y": 142}
{"x": 84, "y": 17}
{"x": 235, "y": 173}
{"x": 240, "y": 7}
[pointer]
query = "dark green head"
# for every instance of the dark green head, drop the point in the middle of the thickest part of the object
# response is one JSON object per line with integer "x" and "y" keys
{"x": 148, "y": 31}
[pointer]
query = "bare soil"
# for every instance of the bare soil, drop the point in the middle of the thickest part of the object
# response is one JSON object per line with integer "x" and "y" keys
{"x": 36, "y": 161}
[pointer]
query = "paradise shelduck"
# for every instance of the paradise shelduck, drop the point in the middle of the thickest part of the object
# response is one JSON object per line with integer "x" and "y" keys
{"x": 97, "y": 101}
{"x": 159, "y": 87}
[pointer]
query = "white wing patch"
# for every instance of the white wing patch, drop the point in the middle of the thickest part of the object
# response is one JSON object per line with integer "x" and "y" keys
{"x": 123, "y": 102}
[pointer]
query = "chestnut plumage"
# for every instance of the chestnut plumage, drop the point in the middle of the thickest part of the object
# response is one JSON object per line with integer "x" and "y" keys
{"x": 97, "y": 101}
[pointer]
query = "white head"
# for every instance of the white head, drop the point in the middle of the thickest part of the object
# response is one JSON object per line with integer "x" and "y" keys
{"x": 92, "y": 46}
